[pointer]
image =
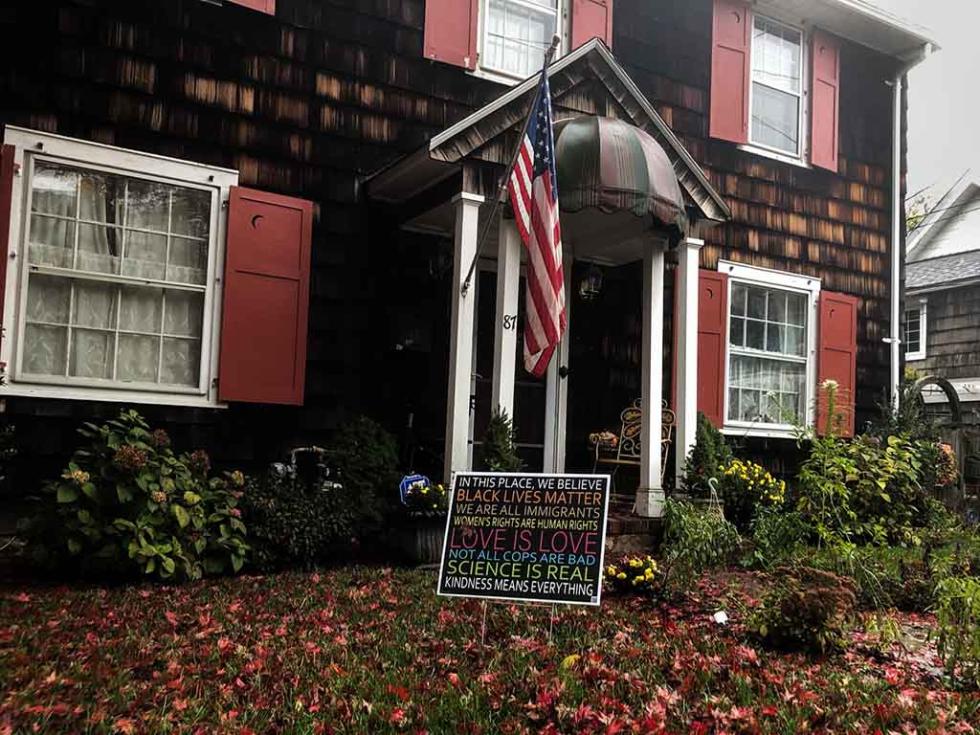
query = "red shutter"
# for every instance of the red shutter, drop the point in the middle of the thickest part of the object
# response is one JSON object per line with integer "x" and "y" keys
{"x": 712, "y": 343}
{"x": 263, "y": 6}
{"x": 591, "y": 19}
{"x": 450, "y": 31}
{"x": 8, "y": 168}
{"x": 825, "y": 111}
{"x": 266, "y": 302}
{"x": 838, "y": 357}
{"x": 730, "y": 58}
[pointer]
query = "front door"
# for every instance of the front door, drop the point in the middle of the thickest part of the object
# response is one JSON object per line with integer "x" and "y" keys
{"x": 530, "y": 393}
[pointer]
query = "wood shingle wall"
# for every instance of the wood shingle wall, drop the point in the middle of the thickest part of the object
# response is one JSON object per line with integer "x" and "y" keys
{"x": 310, "y": 101}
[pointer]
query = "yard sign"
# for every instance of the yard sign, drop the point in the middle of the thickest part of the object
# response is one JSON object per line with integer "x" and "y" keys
{"x": 526, "y": 538}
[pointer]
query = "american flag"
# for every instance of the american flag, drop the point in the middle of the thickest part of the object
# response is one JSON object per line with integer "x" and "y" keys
{"x": 533, "y": 188}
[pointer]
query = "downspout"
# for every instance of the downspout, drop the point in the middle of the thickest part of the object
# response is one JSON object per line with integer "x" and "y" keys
{"x": 899, "y": 86}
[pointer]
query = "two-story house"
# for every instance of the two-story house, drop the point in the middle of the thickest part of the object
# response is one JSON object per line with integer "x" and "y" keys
{"x": 249, "y": 218}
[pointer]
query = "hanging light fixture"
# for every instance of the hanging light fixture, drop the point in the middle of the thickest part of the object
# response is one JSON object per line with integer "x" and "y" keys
{"x": 591, "y": 286}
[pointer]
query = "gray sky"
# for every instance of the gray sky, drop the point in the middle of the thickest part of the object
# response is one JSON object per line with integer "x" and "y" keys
{"x": 944, "y": 93}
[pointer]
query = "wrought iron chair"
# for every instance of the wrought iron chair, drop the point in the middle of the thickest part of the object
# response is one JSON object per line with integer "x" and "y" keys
{"x": 628, "y": 450}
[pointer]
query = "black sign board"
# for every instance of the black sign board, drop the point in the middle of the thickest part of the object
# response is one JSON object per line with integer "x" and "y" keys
{"x": 526, "y": 537}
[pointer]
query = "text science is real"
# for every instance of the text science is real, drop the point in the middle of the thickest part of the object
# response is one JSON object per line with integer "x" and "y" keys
{"x": 526, "y": 537}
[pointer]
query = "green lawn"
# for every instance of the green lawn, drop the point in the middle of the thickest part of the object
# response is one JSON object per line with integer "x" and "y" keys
{"x": 372, "y": 650}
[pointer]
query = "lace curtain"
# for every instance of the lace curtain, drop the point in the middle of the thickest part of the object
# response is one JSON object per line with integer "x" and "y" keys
{"x": 89, "y": 227}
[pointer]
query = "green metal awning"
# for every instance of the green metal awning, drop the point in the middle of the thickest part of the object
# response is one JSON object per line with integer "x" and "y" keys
{"x": 611, "y": 166}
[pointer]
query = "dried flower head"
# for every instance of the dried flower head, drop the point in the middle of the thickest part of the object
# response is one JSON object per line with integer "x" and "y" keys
{"x": 129, "y": 458}
{"x": 160, "y": 439}
{"x": 200, "y": 462}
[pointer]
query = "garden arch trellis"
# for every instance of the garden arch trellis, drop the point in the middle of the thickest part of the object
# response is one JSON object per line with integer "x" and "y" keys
{"x": 956, "y": 426}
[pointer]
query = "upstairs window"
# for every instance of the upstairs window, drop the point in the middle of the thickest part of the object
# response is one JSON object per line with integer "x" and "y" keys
{"x": 506, "y": 40}
{"x": 915, "y": 332}
{"x": 777, "y": 86}
{"x": 516, "y": 34}
{"x": 775, "y": 90}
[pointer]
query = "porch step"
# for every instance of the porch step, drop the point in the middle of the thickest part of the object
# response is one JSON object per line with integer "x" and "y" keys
{"x": 627, "y": 533}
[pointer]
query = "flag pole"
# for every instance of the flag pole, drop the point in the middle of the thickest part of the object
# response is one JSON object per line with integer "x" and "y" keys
{"x": 502, "y": 189}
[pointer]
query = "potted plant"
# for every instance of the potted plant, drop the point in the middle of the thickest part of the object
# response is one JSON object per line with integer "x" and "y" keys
{"x": 418, "y": 533}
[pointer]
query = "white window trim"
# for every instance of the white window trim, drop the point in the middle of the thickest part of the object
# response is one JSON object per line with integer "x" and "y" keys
{"x": 564, "y": 30}
{"x": 768, "y": 278}
{"x": 802, "y": 158}
{"x": 922, "y": 352}
{"x": 31, "y": 145}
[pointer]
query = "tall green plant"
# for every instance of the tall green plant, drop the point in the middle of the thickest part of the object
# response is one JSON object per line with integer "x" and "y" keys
{"x": 958, "y": 619}
{"x": 695, "y": 540}
{"x": 499, "y": 447}
{"x": 127, "y": 504}
{"x": 706, "y": 457}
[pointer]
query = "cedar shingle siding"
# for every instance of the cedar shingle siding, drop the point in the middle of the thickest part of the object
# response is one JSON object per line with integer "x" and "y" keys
{"x": 307, "y": 102}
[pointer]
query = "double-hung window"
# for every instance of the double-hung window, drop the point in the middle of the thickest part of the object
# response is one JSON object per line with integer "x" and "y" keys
{"x": 915, "y": 332}
{"x": 770, "y": 349}
{"x": 516, "y": 34}
{"x": 777, "y": 87}
{"x": 115, "y": 291}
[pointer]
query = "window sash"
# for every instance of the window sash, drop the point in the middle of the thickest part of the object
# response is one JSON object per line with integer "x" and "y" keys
{"x": 535, "y": 53}
{"x": 915, "y": 333}
{"x": 798, "y": 93}
{"x": 203, "y": 342}
{"x": 778, "y": 282}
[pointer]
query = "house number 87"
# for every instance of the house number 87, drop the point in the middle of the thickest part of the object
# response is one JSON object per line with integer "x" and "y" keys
{"x": 510, "y": 321}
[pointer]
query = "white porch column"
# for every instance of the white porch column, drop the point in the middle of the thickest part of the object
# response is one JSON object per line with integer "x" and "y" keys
{"x": 505, "y": 335}
{"x": 686, "y": 359}
{"x": 461, "y": 339}
{"x": 556, "y": 388}
{"x": 650, "y": 495}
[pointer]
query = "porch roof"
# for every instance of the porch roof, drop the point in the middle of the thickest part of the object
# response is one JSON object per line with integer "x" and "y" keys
{"x": 488, "y": 135}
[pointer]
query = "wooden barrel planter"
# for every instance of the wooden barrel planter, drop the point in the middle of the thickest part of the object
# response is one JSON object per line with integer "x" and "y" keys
{"x": 417, "y": 537}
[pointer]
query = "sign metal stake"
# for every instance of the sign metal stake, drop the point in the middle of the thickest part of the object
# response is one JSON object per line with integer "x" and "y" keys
{"x": 483, "y": 626}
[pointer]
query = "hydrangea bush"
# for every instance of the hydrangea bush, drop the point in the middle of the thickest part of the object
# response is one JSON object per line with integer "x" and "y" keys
{"x": 128, "y": 505}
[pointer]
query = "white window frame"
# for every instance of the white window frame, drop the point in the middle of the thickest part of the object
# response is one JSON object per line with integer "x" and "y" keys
{"x": 781, "y": 280}
{"x": 923, "y": 308}
{"x": 802, "y": 157}
{"x": 486, "y": 72}
{"x": 31, "y": 146}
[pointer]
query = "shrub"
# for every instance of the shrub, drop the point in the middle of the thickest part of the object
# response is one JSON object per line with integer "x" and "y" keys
{"x": 499, "y": 451}
{"x": 805, "y": 609}
{"x": 707, "y": 456}
{"x": 127, "y": 504}
{"x": 745, "y": 487}
{"x": 863, "y": 491}
{"x": 696, "y": 539}
{"x": 958, "y": 622}
{"x": 296, "y": 521}
{"x": 365, "y": 457}
{"x": 637, "y": 574}
{"x": 778, "y": 536}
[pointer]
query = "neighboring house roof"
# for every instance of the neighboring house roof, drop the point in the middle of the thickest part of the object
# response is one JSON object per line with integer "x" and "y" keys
{"x": 949, "y": 271}
{"x": 959, "y": 200}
